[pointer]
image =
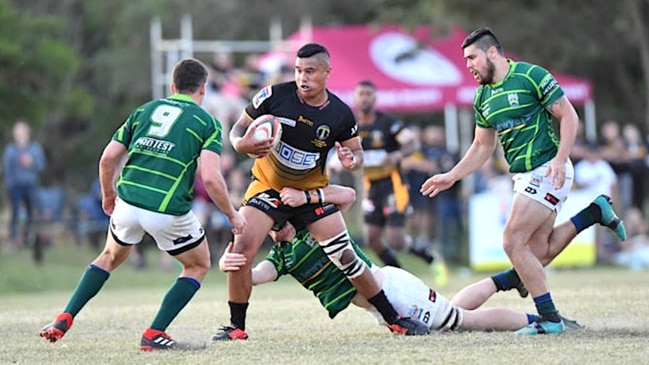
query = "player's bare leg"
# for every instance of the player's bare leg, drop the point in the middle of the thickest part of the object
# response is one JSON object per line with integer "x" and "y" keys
{"x": 530, "y": 224}
{"x": 240, "y": 281}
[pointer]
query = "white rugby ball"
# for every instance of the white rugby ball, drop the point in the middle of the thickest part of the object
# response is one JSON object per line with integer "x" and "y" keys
{"x": 266, "y": 126}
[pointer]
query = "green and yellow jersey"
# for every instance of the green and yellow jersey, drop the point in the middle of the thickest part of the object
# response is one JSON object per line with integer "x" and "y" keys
{"x": 165, "y": 135}
{"x": 515, "y": 108}
{"x": 304, "y": 260}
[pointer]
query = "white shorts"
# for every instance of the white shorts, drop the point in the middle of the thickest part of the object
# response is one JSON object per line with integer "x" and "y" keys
{"x": 171, "y": 233}
{"x": 535, "y": 185}
{"x": 411, "y": 297}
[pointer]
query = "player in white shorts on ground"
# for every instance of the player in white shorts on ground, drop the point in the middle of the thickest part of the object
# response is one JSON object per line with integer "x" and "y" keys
{"x": 296, "y": 254}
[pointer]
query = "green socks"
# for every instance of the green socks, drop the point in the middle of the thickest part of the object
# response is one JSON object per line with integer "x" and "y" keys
{"x": 180, "y": 293}
{"x": 89, "y": 285}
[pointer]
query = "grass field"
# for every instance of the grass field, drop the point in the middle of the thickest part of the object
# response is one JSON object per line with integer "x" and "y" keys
{"x": 287, "y": 326}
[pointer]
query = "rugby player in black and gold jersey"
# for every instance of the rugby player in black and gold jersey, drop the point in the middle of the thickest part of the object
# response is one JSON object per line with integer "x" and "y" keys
{"x": 314, "y": 121}
{"x": 386, "y": 140}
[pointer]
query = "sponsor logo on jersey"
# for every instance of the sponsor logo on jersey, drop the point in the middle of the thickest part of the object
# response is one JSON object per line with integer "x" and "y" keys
{"x": 318, "y": 143}
{"x": 295, "y": 158}
{"x": 512, "y": 98}
{"x": 323, "y": 132}
{"x": 551, "y": 199}
{"x": 287, "y": 121}
{"x": 262, "y": 95}
{"x": 512, "y": 123}
{"x": 548, "y": 84}
{"x": 153, "y": 145}
{"x": 302, "y": 119}
{"x": 314, "y": 270}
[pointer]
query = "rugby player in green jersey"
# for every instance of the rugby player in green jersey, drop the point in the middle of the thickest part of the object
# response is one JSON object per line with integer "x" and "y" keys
{"x": 161, "y": 142}
{"x": 299, "y": 256}
{"x": 515, "y": 104}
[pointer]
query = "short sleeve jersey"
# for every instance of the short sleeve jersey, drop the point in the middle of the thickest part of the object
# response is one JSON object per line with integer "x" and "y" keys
{"x": 515, "y": 107}
{"x": 379, "y": 139}
{"x": 304, "y": 260}
{"x": 308, "y": 133}
{"x": 164, "y": 139}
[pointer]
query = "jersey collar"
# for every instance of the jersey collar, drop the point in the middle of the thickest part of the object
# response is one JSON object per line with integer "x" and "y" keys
{"x": 182, "y": 97}
{"x": 512, "y": 66}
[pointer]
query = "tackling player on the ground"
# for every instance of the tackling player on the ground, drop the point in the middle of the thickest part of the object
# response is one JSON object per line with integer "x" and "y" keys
{"x": 299, "y": 256}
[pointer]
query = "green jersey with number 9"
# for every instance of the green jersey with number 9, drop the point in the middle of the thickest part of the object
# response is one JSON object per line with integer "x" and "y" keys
{"x": 164, "y": 139}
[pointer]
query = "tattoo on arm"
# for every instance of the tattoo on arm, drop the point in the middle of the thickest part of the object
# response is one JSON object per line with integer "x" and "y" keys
{"x": 556, "y": 107}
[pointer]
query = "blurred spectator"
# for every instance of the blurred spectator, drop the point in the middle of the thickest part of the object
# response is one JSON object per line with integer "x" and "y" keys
{"x": 216, "y": 224}
{"x": 92, "y": 221}
{"x": 23, "y": 160}
{"x": 636, "y": 151}
{"x": 211, "y": 218}
{"x": 448, "y": 204}
{"x": 492, "y": 175}
{"x": 238, "y": 181}
{"x": 634, "y": 252}
{"x": 250, "y": 77}
{"x": 594, "y": 176}
{"x": 283, "y": 74}
{"x": 220, "y": 71}
{"x": 614, "y": 152}
{"x": 223, "y": 97}
{"x": 417, "y": 168}
{"x": 581, "y": 143}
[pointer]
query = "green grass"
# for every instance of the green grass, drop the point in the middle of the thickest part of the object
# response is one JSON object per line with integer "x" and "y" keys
{"x": 287, "y": 326}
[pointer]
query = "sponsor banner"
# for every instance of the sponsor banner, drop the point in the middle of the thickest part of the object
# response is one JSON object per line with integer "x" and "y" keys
{"x": 488, "y": 214}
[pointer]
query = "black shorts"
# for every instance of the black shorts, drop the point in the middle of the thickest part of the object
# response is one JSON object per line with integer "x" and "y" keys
{"x": 387, "y": 202}
{"x": 269, "y": 202}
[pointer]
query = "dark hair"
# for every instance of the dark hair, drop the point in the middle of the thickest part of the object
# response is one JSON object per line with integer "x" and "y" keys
{"x": 483, "y": 38}
{"x": 311, "y": 49}
{"x": 366, "y": 83}
{"x": 189, "y": 75}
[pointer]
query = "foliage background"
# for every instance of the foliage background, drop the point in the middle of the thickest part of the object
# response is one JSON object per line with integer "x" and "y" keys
{"x": 75, "y": 68}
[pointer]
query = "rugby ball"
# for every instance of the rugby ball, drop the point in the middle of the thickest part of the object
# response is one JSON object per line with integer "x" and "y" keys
{"x": 266, "y": 126}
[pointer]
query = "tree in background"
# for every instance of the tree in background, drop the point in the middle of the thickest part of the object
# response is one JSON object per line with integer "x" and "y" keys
{"x": 75, "y": 66}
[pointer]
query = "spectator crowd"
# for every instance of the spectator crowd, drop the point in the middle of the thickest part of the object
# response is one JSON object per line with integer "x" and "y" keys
{"x": 617, "y": 164}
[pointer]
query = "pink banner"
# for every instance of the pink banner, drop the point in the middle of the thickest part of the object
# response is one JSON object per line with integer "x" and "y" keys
{"x": 413, "y": 70}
